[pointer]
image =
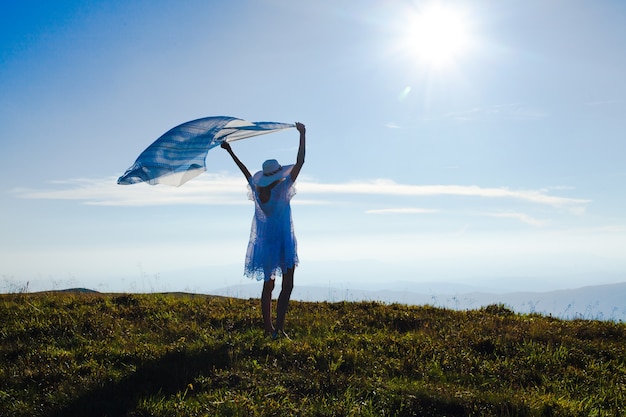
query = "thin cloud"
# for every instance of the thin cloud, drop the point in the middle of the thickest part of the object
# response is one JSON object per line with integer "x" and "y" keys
{"x": 387, "y": 187}
{"x": 222, "y": 189}
{"x": 557, "y": 188}
{"x": 522, "y": 217}
{"x": 406, "y": 210}
{"x": 212, "y": 189}
{"x": 512, "y": 111}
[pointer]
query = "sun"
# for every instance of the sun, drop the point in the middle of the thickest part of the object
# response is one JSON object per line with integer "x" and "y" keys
{"x": 437, "y": 35}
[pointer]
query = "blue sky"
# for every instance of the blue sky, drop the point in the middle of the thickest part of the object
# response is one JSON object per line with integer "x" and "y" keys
{"x": 474, "y": 142}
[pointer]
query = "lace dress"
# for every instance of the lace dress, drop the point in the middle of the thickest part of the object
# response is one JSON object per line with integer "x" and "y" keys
{"x": 272, "y": 248}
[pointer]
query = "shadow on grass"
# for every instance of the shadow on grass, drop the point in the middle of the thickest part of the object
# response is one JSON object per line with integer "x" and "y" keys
{"x": 166, "y": 376}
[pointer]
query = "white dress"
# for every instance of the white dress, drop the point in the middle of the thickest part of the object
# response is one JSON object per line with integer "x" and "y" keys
{"x": 272, "y": 248}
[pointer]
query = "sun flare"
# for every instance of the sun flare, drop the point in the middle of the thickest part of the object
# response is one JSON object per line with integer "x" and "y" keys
{"x": 437, "y": 36}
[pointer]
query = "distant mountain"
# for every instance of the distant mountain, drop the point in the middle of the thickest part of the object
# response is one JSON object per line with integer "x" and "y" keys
{"x": 78, "y": 290}
{"x": 601, "y": 302}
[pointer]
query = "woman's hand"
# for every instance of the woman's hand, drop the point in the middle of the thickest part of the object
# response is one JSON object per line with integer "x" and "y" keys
{"x": 225, "y": 145}
{"x": 301, "y": 128}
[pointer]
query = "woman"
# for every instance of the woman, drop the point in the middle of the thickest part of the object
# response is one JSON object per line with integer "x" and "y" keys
{"x": 272, "y": 250}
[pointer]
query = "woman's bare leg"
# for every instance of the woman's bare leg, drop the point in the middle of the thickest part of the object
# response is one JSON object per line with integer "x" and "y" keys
{"x": 283, "y": 299}
{"x": 266, "y": 305}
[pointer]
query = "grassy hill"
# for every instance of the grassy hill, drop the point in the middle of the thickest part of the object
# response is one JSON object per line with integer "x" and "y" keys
{"x": 64, "y": 354}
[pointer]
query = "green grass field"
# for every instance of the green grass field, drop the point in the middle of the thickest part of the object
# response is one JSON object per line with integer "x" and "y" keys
{"x": 65, "y": 354}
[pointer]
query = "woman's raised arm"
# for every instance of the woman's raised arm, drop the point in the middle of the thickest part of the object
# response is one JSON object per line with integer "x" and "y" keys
{"x": 242, "y": 167}
{"x": 301, "y": 150}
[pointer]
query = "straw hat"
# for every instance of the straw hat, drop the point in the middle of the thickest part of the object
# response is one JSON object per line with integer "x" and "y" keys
{"x": 272, "y": 171}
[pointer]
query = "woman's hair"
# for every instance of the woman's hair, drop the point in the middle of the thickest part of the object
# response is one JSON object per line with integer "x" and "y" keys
{"x": 266, "y": 192}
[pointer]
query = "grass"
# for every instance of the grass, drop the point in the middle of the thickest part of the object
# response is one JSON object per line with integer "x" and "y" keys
{"x": 65, "y": 354}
